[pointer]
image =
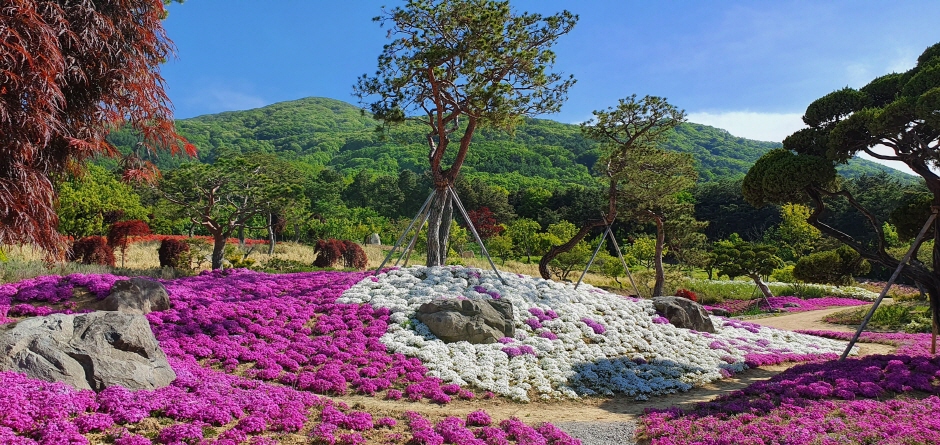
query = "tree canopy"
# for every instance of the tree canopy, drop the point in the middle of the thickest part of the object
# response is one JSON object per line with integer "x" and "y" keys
{"x": 226, "y": 195}
{"x": 628, "y": 134}
{"x": 70, "y": 71}
{"x": 894, "y": 117}
{"x": 456, "y": 66}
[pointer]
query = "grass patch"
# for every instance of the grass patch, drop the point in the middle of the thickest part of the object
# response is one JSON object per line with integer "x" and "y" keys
{"x": 907, "y": 317}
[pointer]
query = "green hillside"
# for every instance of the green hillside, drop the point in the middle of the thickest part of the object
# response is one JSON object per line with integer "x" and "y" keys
{"x": 327, "y": 132}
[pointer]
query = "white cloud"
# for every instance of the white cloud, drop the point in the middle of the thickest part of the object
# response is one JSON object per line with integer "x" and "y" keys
{"x": 752, "y": 125}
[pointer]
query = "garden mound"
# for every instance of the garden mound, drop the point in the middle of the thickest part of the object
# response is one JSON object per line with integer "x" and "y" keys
{"x": 571, "y": 342}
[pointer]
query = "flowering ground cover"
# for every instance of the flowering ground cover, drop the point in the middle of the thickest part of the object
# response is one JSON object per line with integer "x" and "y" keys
{"x": 261, "y": 358}
{"x": 786, "y": 304}
{"x": 570, "y": 343}
{"x": 250, "y": 351}
{"x": 882, "y": 399}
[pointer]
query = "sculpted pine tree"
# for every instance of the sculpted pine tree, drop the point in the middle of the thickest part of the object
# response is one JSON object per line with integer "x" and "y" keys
{"x": 899, "y": 111}
{"x": 458, "y": 66}
{"x": 630, "y": 134}
{"x": 70, "y": 72}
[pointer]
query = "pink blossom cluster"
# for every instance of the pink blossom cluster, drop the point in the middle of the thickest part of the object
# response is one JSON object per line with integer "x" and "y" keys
{"x": 535, "y": 322}
{"x": 874, "y": 399}
{"x": 907, "y": 344}
{"x": 15, "y": 298}
{"x": 476, "y": 430}
{"x": 796, "y": 304}
{"x": 787, "y": 304}
{"x": 595, "y": 326}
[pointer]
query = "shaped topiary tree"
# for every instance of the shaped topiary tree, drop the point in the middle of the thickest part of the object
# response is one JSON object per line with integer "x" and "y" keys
{"x": 735, "y": 257}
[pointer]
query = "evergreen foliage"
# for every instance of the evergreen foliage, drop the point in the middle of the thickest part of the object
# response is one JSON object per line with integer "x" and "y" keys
{"x": 831, "y": 267}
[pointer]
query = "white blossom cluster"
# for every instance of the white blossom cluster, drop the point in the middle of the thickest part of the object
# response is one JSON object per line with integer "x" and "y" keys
{"x": 633, "y": 356}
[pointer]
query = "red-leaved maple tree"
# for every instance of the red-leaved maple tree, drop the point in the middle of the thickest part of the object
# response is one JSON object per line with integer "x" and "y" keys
{"x": 69, "y": 72}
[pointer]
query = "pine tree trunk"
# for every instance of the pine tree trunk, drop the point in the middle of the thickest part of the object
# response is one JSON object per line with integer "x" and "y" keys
{"x": 241, "y": 236}
{"x": 435, "y": 221}
{"x": 658, "y": 258}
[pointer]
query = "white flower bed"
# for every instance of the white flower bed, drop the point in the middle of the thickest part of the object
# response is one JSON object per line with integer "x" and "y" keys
{"x": 633, "y": 356}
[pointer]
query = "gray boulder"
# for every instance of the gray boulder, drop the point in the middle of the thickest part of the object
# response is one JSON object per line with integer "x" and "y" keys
{"x": 135, "y": 296}
{"x": 88, "y": 351}
{"x": 719, "y": 312}
{"x": 373, "y": 239}
{"x": 474, "y": 321}
{"x": 684, "y": 313}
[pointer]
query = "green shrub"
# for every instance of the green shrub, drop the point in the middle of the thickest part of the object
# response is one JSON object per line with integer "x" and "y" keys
{"x": 783, "y": 275}
{"x": 804, "y": 290}
{"x": 831, "y": 266}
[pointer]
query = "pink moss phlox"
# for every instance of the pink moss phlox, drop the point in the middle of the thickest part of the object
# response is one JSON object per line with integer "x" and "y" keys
{"x": 595, "y": 326}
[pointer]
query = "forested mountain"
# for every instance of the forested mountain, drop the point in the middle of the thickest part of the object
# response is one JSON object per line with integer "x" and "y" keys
{"x": 327, "y": 132}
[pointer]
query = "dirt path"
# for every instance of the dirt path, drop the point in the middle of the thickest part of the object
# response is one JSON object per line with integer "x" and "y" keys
{"x": 619, "y": 408}
{"x": 805, "y": 320}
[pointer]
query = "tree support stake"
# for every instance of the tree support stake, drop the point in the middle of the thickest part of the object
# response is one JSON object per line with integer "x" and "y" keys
{"x": 894, "y": 276}
{"x": 405, "y": 233}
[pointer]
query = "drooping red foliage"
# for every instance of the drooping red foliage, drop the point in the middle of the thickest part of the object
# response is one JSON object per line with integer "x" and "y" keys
{"x": 171, "y": 252}
{"x": 69, "y": 72}
{"x": 92, "y": 250}
{"x": 687, "y": 294}
{"x": 121, "y": 231}
{"x": 353, "y": 256}
{"x": 485, "y": 223}
{"x": 331, "y": 251}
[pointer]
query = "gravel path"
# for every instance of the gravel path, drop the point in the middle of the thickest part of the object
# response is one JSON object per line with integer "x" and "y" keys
{"x": 601, "y": 433}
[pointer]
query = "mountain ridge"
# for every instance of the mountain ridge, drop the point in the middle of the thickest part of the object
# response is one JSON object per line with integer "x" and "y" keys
{"x": 541, "y": 152}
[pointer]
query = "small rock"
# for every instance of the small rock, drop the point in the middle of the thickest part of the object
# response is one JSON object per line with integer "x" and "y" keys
{"x": 135, "y": 296}
{"x": 719, "y": 312}
{"x": 474, "y": 321}
{"x": 684, "y": 313}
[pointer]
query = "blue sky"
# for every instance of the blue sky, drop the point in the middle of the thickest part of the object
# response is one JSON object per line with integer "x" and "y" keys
{"x": 750, "y": 67}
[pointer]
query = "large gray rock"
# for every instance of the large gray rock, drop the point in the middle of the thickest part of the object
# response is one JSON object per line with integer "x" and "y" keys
{"x": 135, "y": 296}
{"x": 474, "y": 321}
{"x": 684, "y": 313}
{"x": 88, "y": 351}
{"x": 374, "y": 239}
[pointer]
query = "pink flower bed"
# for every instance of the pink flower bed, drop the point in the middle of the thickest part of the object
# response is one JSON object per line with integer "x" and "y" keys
{"x": 788, "y": 304}
{"x": 874, "y": 399}
{"x": 300, "y": 347}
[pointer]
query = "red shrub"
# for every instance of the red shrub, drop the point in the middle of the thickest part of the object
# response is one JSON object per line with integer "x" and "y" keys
{"x": 485, "y": 223}
{"x": 328, "y": 252}
{"x": 171, "y": 252}
{"x": 331, "y": 251}
{"x": 121, "y": 231}
{"x": 92, "y": 250}
{"x": 353, "y": 256}
{"x": 687, "y": 294}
